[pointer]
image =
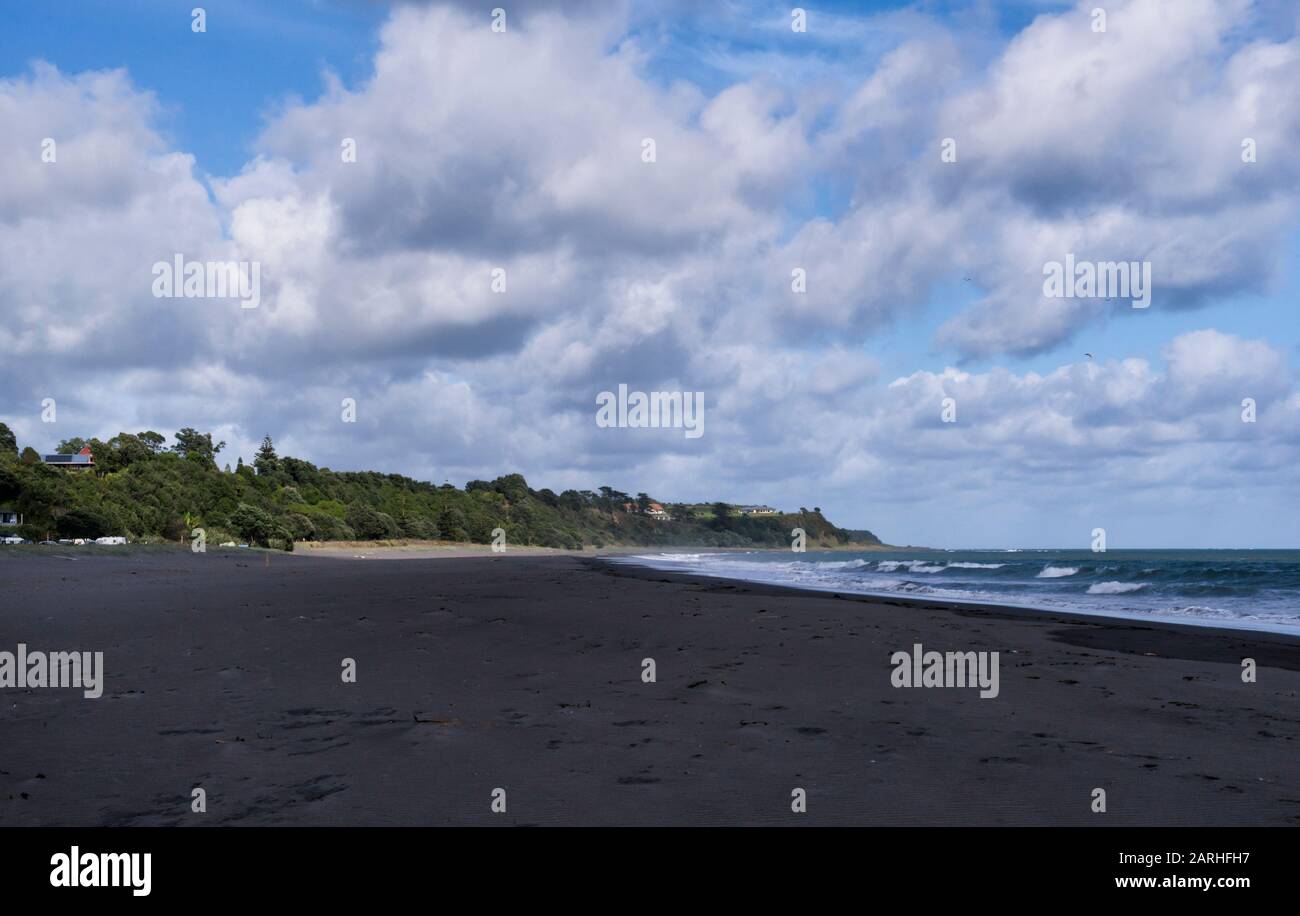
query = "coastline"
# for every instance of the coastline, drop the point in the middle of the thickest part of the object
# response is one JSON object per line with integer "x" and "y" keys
{"x": 222, "y": 671}
{"x": 1053, "y": 605}
{"x": 986, "y": 610}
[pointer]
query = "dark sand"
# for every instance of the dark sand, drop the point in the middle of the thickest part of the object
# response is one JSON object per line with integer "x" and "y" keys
{"x": 524, "y": 673}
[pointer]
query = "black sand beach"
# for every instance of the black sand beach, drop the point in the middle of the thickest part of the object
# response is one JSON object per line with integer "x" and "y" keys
{"x": 223, "y": 671}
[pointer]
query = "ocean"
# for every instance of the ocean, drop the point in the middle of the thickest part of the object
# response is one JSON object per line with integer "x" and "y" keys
{"x": 1247, "y": 589}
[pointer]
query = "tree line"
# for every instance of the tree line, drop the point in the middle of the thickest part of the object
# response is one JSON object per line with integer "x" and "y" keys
{"x": 147, "y": 490}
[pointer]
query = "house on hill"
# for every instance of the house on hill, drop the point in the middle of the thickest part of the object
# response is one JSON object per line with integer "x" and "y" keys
{"x": 82, "y": 461}
{"x": 756, "y": 510}
{"x": 654, "y": 510}
{"x": 9, "y": 516}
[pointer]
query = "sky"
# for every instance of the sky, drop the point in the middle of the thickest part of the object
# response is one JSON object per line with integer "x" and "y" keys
{"x": 919, "y": 163}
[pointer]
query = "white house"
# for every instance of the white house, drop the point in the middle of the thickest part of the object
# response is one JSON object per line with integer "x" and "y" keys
{"x": 657, "y": 512}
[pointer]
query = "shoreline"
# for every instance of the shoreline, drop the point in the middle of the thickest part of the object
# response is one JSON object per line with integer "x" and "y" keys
{"x": 624, "y": 557}
{"x": 973, "y": 608}
{"x": 1120, "y": 617}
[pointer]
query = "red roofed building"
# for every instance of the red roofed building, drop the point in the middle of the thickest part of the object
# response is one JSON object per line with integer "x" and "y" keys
{"x": 84, "y": 460}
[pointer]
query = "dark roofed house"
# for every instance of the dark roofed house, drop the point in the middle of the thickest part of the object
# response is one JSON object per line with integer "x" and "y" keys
{"x": 82, "y": 461}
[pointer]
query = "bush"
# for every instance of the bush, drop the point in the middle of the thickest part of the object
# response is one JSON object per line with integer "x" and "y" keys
{"x": 31, "y": 532}
{"x": 419, "y": 527}
{"x": 174, "y": 529}
{"x": 513, "y": 487}
{"x": 372, "y": 525}
{"x": 329, "y": 528}
{"x": 300, "y": 526}
{"x": 253, "y": 525}
{"x": 451, "y": 525}
{"x": 84, "y": 523}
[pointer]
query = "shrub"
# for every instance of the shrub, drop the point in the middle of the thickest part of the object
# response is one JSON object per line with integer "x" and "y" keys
{"x": 418, "y": 527}
{"x": 329, "y": 528}
{"x": 84, "y": 523}
{"x": 300, "y": 526}
{"x": 451, "y": 525}
{"x": 371, "y": 524}
{"x": 253, "y": 525}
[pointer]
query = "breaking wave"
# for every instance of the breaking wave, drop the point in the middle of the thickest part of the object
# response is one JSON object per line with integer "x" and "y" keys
{"x": 1057, "y": 572}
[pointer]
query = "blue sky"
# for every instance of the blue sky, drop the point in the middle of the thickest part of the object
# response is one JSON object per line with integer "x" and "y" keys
{"x": 818, "y": 149}
{"x": 213, "y": 90}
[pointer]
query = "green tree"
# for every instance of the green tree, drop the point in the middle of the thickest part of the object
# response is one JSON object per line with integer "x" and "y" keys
{"x": 197, "y": 446}
{"x": 253, "y": 525}
{"x": 84, "y": 523}
{"x": 371, "y": 525}
{"x": 451, "y": 525}
{"x": 513, "y": 487}
{"x": 10, "y": 484}
{"x": 721, "y": 515}
{"x": 120, "y": 452}
{"x": 267, "y": 461}
{"x": 8, "y": 441}
{"x": 153, "y": 441}
{"x": 300, "y": 526}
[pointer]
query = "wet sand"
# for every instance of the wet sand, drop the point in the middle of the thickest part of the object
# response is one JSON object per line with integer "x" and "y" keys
{"x": 524, "y": 673}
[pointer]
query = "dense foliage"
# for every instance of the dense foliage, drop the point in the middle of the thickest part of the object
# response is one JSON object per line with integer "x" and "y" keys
{"x": 144, "y": 490}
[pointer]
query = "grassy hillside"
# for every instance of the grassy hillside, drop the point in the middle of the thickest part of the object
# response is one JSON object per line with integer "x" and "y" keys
{"x": 146, "y": 491}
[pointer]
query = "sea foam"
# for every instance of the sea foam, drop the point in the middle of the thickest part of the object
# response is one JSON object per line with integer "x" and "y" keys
{"x": 1056, "y": 572}
{"x": 1114, "y": 588}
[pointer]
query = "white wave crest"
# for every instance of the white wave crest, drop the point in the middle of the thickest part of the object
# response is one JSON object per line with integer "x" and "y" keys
{"x": 1056, "y": 572}
{"x": 842, "y": 564}
{"x": 1115, "y": 588}
{"x": 920, "y": 566}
